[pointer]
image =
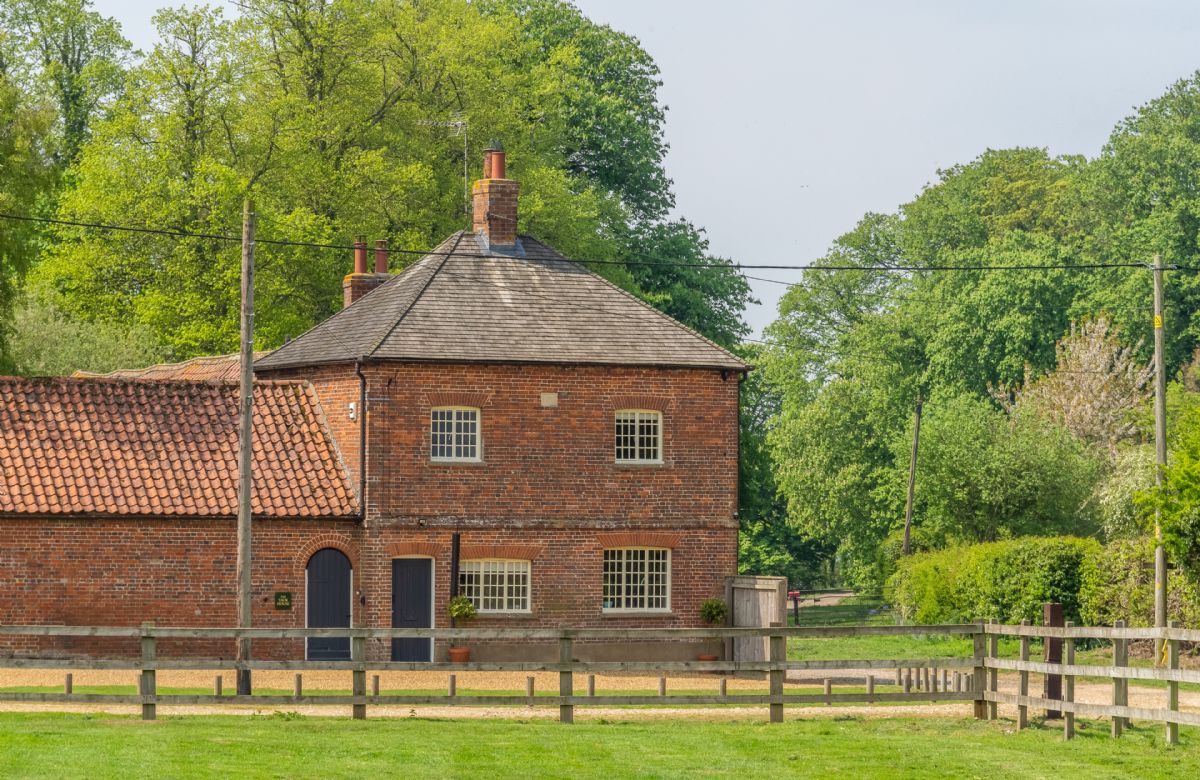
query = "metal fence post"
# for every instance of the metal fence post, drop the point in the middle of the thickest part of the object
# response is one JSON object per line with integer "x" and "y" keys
{"x": 778, "y": 658}
{"x": 566, "y": 682}
{"x": 359, "y": 675}
{"x": 1172, "y": 686}
{"x": 148, "y": 684}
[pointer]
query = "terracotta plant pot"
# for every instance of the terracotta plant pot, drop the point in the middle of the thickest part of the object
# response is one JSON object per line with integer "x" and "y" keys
{"x": 459, "y": 655}
{"x": 706, "y": 657}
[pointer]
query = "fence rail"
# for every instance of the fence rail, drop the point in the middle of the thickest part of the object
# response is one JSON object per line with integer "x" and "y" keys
{"x": 975, "y": 677}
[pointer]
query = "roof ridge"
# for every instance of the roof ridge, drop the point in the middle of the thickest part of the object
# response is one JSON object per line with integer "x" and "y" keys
{"x": 639, "y": 301}
{"x": 445, "y": 257}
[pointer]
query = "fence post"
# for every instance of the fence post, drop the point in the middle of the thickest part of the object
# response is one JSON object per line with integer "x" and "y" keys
{"x": 566, "y": 680}
{"x": 217, "y": 685}
{"x": 452, "y": 686}
{"x": 529, "y": 690}
{"x": 591, "y": 685}
{"x": 1172, "y": 686}
{"x": 1119, "y": 697}
{"x": 993, "y": 673}
{"x": 359, "y": 675}
{"x": 778, "y": 658}
{"x": 870, "y": 688}
{"x": 828, "y": 691}
{"x": 1023, "y": 691}
{"x": 149, "y": 685}
{"x": 68, "y": 683}
{"x": 977, "y": 676}
{"x": 298, "y": 685}
{"x": 1052, "y": 615}
{"x": 1069, "y": 687}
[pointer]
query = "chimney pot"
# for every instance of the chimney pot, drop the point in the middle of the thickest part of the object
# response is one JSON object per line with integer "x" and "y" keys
{"x": 360, "y": 255}
{"x": 381, "y": 256}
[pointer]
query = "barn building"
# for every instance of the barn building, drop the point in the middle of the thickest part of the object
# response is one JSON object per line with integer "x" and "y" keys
{"x": 575, "y": 448}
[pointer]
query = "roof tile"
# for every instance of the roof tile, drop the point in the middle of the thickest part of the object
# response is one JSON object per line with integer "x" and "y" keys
{"x": 131, "y": 446}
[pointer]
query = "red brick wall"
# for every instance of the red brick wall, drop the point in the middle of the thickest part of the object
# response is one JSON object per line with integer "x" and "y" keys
{"x": 121, "y": 572}
{"x": 553, "y": 463}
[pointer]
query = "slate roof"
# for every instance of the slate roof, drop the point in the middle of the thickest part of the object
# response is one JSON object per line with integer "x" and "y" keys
{"x": 465, "y": 302}
{"x": 142, "y": 447}
{"x": 214, "y": 368}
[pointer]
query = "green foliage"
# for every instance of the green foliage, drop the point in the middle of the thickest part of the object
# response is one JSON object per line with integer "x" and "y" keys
{"x": 461, "y": 608}
{"x": 986, "y": 475}
{"x": 282, "y": 105}
{"x": 71, "y": 55}
{"x": 713, "y": 612}
{"x": 1178, "y": 499}
{"x": 46, "y": 341}
{"x": 1008, "y": 580}
{"x": 1118, "y": 584}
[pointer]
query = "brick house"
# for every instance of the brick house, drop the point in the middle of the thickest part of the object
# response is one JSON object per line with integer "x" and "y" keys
{"x": 572, "y": 449}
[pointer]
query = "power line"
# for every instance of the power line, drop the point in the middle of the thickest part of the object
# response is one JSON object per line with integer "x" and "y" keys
{"x": 645, "y": 262}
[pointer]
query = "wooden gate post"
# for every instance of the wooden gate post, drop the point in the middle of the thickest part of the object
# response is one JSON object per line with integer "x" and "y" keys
{"x": 149, "y": 685}
{"x": 1023, "y": 690}
{"x": 1052, "y": 615}
{"x": 566, "y": 682}
{"x": 993, "y": 672}
{"x": 1120, "y": 696}
{"x": 1069, "y": 688}
{"x": 778, "y": 658}
{"x": 359, "y": 675}
{"x": 979, "y": 673}
{"x": 1172, "y": 686}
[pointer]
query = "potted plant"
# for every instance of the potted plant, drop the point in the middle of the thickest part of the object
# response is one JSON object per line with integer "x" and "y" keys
{"x": 712, "y": 612}
{"x": 460, "y": 608}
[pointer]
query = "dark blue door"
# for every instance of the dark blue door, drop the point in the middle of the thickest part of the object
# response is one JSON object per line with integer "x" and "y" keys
{"x": 412, "y": 606}
{"x": 329, "y": 603}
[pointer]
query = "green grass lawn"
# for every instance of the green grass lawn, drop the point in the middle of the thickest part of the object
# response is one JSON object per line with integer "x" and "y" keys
{"x": 98, "y": 746}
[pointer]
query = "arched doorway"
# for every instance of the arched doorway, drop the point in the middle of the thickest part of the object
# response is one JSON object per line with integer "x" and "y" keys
{"x": 328, "y": 603}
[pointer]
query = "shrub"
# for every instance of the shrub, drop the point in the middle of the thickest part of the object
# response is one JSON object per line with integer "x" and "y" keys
{"x": 1118, "y": 584}
{"x": 713, "y": 611}
{"x": 1008, "y": 580}
{"x": 461, "y": 608}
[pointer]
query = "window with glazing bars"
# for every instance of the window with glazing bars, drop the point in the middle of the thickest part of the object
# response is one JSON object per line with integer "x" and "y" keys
{"x": 639, "y": 436}
{"x": 454, "y": 434}
{"x": 494, "y": 585}
{"x": 637, "y": 578}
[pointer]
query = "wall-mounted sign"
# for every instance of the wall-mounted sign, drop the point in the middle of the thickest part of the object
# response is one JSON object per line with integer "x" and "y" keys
{"x": 283, "y": 600}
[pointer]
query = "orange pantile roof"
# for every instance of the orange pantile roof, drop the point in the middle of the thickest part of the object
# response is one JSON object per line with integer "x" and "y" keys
{"x": 140, "y": 447}
{"x": 210, "y": 368}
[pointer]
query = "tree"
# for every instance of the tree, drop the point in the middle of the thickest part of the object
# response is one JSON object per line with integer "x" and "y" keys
{"x": 673, "y": 269}
{"x": 47, "y": 342}
{"x": 25, "y": 179}
{"x": 1093, "y": 391}
{"x": 328, "y": 114}
{"x": 75, "y": 56}
{"x": 986, "y": 475}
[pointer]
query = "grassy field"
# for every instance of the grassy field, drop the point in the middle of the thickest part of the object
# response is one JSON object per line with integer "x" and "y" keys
{"x": 70, "y": 746}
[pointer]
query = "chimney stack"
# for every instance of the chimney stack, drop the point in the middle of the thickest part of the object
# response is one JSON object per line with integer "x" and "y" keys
{"x": 358, "y": 283}
{"x": 495, "y": 220}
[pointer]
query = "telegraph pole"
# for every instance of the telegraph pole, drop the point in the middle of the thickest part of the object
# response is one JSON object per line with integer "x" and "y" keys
{"x": 245, "y": 440}
{"x": 1160, "y": 451}
{"x": 912, "y": 477}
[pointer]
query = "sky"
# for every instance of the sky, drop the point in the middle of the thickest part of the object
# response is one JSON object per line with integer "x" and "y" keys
{"x": 788, "y": 121}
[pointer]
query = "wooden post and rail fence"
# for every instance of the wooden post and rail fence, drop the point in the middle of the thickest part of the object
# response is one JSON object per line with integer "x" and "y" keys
{"x": 973, "y": 678}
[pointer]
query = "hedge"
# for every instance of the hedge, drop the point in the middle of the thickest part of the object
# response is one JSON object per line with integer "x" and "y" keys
{"x": 1008, "y": 580}
{"x": 1118, "y": 584}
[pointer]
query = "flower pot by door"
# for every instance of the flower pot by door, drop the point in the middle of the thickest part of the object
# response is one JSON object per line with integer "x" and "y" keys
{"x": 459, "y": 655}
